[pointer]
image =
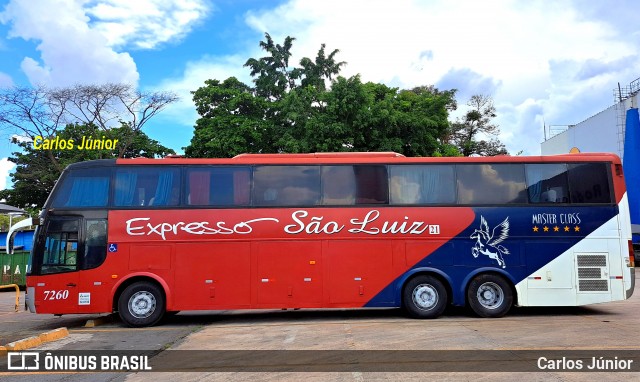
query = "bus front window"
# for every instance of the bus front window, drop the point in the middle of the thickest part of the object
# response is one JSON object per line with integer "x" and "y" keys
{"x": 60, "y": 247}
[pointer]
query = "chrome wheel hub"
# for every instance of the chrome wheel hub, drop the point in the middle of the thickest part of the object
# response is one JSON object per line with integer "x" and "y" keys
{"x": 142, "y": 304}
{"x": 490, "y": 295}
{"x": 425, "y": 296}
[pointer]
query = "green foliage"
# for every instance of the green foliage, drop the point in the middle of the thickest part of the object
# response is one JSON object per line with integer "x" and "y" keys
{"x": 5, "y": 220}
{"x": 477, "y": 121}
{"x": 291, "y": 110}
{"x": 37, "y": 170}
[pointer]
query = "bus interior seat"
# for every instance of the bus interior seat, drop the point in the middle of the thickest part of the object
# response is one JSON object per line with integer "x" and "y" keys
{"x": 549, "y": 196}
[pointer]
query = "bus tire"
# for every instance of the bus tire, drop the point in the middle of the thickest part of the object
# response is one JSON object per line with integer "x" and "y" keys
{"x": 141, "y": 304}
{"x": 489, "y": 296}
{"x": 424, "y": 297}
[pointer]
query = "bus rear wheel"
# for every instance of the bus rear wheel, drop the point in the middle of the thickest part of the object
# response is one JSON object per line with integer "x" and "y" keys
{"x": 141, "y": 304}
{"x": 424, "y": 297}
{"x": 489, "y": 296}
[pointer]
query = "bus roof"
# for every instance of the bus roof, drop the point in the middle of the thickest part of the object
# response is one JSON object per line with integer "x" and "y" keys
{"x": 365, "y": 157}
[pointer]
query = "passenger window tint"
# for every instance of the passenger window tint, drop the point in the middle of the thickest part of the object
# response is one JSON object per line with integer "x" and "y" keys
{"x": 491, "y": 184}
{"x": 95, "y": 249}
{"x": 589, "y": 183}
{"x": 417, "y": 184}
{"x": 338, "y": 185}
{"x": 83, "y": 188}
{"x": 371, "y": 184}
{"x": 359, "y": 184}
{"x": 286, "y": 185}
{"x": 147, "y": 187}
{"x": 218, "y": 186}
{"x": 547, "y": 183}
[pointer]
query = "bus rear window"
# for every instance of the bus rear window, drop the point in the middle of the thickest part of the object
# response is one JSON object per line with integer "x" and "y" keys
{"x": 87, "y": 187}
{"x": 147, "y": 186}
{"x": 218, "y": 186}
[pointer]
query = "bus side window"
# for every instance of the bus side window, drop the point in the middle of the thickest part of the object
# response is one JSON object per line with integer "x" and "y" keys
{"x": 371, "y": 184}
{"x": 498, "y": 183}
{"x": 147, "y": 186}
{"x": 286, "y": 185}
{"x": 404, "y": 190}
{"x": 589, "y": 183}
{"x": 338, "y": 185}
{"x": 198, "y": 182}
{"x": 218, "y": 186}
{"x": 547, "y": 183}
{"x": 422, "y": 184}
{"x": 95, "y": 250}
{"x": 84, "y": 188}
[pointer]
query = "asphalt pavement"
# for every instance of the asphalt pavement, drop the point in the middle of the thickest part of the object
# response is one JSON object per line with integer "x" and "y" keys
{"x": 23, "y": 324}
{"x": 609, "y": 328}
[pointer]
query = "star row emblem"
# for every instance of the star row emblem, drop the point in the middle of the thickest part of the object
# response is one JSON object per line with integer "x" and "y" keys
{"x": 555, "y": 228}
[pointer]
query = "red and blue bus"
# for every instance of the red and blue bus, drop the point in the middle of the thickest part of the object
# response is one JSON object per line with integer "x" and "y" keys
{"x": 146, "y": 237}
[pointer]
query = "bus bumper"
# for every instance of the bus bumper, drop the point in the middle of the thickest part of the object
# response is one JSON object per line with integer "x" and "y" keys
{"x": 29, "y": 299}
{"x": 633, "y": 283}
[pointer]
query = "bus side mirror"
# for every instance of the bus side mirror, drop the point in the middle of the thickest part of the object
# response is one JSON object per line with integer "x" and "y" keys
{"x": 15, "y": 228}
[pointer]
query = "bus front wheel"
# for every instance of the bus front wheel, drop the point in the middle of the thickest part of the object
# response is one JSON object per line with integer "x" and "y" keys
{"x": 489, "y": 296}
{"x": 141, "y": 304}
{"x": 424, "y": 297}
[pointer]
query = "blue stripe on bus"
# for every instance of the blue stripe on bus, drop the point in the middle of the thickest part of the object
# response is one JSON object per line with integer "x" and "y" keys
{"x": 528, "y": 249}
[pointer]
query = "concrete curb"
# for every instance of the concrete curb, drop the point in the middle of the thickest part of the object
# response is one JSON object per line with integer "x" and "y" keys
{"x": 99, "y": 321}
{"x": 32, "y": 342}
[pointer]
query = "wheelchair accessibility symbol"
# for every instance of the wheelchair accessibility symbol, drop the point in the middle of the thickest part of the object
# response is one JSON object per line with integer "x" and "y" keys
{"x": 113, "y": 247}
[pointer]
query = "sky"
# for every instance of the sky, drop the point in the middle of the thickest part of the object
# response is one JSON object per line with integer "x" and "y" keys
{"x": 543, "y": 62}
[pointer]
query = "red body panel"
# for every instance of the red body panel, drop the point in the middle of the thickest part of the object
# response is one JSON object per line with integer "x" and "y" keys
{"x": 265, "y": 258}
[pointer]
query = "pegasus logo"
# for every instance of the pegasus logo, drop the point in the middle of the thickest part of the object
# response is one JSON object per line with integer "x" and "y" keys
{"x": 489, "y": 244}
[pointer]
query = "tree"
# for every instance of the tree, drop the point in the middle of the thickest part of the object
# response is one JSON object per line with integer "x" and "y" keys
{"x": 314, "y": 72}
{"x": 233, "y": 120}
{"x": 292, "y": 110}
{"x": 44, "y": 112}
{"x": 35, "y": 174}
{"x": 477, "y": 121}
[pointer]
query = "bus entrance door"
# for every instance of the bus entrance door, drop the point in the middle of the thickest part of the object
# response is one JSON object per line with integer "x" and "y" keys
{"x": 57, "y": 285}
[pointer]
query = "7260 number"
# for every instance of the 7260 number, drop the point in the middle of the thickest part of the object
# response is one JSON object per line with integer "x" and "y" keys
{"x": 56, "y": 295}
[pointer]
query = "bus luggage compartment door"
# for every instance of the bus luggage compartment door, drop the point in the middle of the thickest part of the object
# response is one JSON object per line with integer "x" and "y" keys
{"x": 289, "y": 273}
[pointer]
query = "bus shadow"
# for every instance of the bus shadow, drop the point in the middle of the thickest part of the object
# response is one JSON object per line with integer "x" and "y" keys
{"x": 549, "y": 311}
{"x": 273, "y": 316}
{"x": 319, "y": 315}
